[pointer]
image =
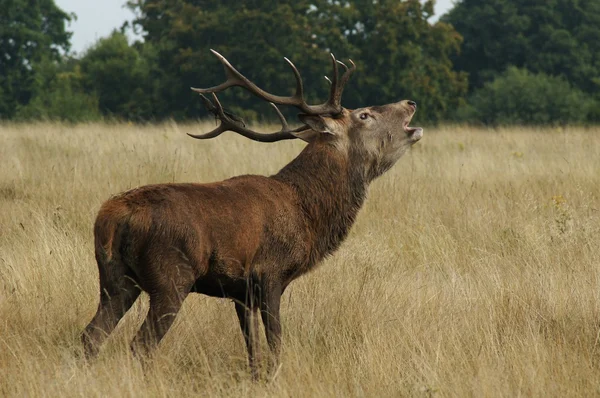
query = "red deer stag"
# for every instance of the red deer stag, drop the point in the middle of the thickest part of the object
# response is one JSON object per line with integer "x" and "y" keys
{"x": 248, "y": 237}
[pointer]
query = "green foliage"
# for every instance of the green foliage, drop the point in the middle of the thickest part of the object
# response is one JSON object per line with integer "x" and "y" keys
{"x": 58, "y": 95}
{"x": 555, "y": 37}
{"x": 524, "y": 61}
{"x": 30, "y": 33}
{"x": 399, "y": 54}
{"x": 521, "y": 97}
{"x": 255, "y": 36}
{"x": 120, "y": 76}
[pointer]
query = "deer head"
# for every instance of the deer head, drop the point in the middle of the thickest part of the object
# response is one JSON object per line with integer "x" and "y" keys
{"x": 376, "y": 136}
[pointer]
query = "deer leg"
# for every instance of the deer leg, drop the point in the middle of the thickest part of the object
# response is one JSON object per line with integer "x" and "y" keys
{"x": 269, "y": 311}
{"x": 115, "y": 301}
{"x": 164, "y": 307}
{"x": 248, "y": 317}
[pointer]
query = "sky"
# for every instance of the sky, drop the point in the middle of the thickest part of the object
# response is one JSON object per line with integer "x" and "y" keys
{"x": 96, "y": 19}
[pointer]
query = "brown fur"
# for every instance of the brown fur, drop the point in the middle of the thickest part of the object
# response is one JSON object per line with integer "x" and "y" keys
{"x": 245, "y": 238}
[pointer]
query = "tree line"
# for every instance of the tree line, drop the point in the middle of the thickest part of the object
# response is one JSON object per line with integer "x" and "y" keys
{"x": 493, "y": 62}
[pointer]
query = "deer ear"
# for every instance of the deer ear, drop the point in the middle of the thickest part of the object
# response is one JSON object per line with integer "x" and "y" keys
{"x": 318, "y": 125}
{"x": 308, "y": 135}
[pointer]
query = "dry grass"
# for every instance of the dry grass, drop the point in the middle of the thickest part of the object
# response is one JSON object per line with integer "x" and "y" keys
{"x": 473, "y": 270}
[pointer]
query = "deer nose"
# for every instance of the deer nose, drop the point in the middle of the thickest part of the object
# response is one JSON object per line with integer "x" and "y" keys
{"x": 412, "y": 103}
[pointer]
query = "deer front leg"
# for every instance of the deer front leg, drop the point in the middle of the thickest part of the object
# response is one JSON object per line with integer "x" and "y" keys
{"x": 249, "y": 324}
{"x": 269, "y": 311}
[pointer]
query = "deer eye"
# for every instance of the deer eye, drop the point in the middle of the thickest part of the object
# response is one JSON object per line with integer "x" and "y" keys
{"x": 364, "y": 116}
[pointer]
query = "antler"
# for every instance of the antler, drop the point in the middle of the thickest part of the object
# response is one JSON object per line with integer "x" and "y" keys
{"x": 232, "y": 123}
{"x": 332, "y": 106}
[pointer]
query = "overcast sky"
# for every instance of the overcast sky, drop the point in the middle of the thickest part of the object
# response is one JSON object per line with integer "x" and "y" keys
{"x": 96, "y": 19}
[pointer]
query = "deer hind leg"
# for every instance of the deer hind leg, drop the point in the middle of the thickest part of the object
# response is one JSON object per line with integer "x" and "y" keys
{"x": 164, "y": 307}
{"x": 116, "y": 298}
{"x": 167, "y": 290}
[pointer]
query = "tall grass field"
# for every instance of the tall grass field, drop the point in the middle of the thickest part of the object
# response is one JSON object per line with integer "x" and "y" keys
{"x": 473, "y": 270}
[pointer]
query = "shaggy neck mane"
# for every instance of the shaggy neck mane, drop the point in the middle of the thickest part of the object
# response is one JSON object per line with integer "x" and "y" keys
{"x": 330, "y": 191}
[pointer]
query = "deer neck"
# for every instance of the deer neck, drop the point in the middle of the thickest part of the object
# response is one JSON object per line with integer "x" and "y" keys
{"x": 331, "y": 190}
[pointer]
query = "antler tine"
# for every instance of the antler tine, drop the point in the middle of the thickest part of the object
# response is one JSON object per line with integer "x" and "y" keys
{"x": 343, "y": 64}
{"x": 209, "y": 105}
{"x": 217, "y": 110}
{"x": 233, "y": 77}
{"x": 229, "y": 124}
{"x": 349, "y": 70}
{"x": 284, "y": 124}
{"x": 337, "y": 98}
{"x": 333, "y": 88}
{"x": 299, "y": 87}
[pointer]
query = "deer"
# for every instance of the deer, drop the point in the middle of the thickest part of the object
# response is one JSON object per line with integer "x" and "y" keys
{"x": 248, "y": 237}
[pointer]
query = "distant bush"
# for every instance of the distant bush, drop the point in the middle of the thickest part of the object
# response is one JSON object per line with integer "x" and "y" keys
{"x": 59, "y": 96}
{"x": 521, "y": 97}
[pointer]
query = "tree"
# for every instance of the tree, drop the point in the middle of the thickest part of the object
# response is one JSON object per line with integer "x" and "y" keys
{"x": 399, "y": 53}
{"x": 122, "y": 77}
{"x": 255, "y": 36}
{"x": 555, "y": 37}
{"x": 31, "y": 32}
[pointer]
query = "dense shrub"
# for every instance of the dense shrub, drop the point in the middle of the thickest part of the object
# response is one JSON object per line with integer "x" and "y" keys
{"x": 520, "y": 97}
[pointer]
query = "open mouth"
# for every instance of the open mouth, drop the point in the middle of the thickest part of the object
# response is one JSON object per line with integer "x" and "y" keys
{"x": 414, "y": 133}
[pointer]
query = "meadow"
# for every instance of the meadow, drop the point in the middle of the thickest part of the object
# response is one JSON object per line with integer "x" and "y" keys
{"x": 473, "y": 270}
